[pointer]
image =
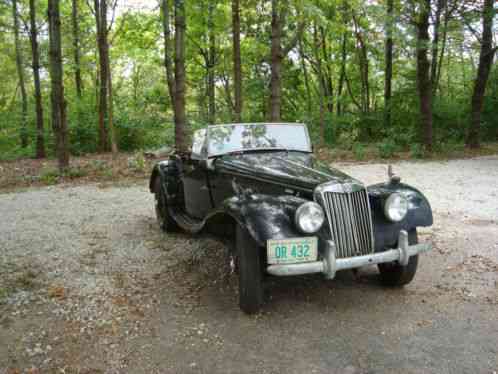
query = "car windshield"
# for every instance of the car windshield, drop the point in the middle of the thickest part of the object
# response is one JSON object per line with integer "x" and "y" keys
{"x": 223, "y": 139}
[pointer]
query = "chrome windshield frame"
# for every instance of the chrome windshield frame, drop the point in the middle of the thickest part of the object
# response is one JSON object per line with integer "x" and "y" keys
{"x": 214, "y": 154}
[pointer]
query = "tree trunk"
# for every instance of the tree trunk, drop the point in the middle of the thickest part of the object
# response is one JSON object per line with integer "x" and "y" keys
{"x": 435, "y": 44}
{"x": 485, "y": 62}
{"x": 423, "y": 70}
{"x": 110, "y": 97}
{"x": 101, "y": 22}
{"x": 181, "y": 141}
{"x": 276, "y": 62}
{"x": 168, "y": 63}
{"x": 20, "y": 73}
{"x": 112, "y": 133}
{"x": 443, "y": 47}
{"x": 40, "y": 141}
{"x": 211, "y": 64}
{"x": 306, "y": 78}
{"x": 327, "y": 76}
{"x": 364, "y": 67}
{"x": 228, "y": 95}
{"x": 389, "y": 63}
{"x": 59, "y": 122}
{"x": 342, "y": 75}
{"x": 277, "y": 54}
{"x": 237, "y": 66}
{"x": 321, "y": 83}
{"x": 76, "y": 49}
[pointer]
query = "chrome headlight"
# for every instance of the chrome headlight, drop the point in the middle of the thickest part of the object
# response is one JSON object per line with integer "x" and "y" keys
{"x": 309, "y": 217}
{"x": 396, "y": 207}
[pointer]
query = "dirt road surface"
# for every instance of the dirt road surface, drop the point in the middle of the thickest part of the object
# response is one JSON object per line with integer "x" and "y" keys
{"x": 88, "y": 284}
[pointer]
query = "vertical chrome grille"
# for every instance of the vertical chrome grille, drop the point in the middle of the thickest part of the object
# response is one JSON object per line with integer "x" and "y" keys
{"x": 350, "y": 222}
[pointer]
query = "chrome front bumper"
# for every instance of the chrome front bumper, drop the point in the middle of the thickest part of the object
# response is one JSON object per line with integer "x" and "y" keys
{"x": 330, "y": 264}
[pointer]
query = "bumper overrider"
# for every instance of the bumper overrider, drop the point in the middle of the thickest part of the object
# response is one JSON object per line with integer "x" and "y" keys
{"x": 329, "y": 265}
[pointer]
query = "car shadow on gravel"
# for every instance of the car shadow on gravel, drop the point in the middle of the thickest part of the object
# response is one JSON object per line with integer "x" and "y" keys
{"x": 203, "y": 276}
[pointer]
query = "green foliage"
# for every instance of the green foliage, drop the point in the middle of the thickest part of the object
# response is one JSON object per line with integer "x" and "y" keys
{"x": 75, "y": 172}
{"x": 137, "y": 162}
{"x": 143, "y": 117}
{"x": 417, "y": 150}
{"x": 359, "y": 151}
{"x": 450, "y": 147}
{"x": 49, "y": 176}
{"x": 348, "y": 138}
{"x": 387, "y": 148}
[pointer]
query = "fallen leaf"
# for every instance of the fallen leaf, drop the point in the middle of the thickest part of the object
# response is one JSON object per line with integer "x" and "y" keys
{"x": 57, "y": 292}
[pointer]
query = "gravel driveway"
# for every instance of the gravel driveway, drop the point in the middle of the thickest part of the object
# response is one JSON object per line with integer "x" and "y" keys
{"x": 88, "y": 284}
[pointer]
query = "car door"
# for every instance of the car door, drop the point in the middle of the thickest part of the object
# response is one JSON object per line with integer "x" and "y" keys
{"x": 196, "y": 192}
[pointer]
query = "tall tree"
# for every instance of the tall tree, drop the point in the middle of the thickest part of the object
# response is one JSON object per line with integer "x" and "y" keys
{"x": 277, "y": 55}
{"x": 306, "y": 78}
{"x": 168, "y": 63}
{"x": 40, "y": 141}
{"x": 237, "y": 66}
{"x": 388, "y": 73}
{"x": 363, "y": 63}
{"x": 76, "y": 48}
{"x": 322, "y": 70}
{"x": 211, "y": 63}
{"x": 440, "y": 5}
{"x": 439, "y": 63}
{"x": 486, "y": 57}
{"x": 101, "y": 23}
{"x": 181, "y": 131}
{"x": 424, "y": 86}
{"x": 106, "y": 128}
{"x": 342, "y": 74}
{"x": 59, "y": 122}
{"x": 20, "y": 73}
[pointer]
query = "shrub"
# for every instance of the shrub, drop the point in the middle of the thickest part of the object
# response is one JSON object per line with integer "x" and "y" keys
{"x": 348, "y": 138}
{"x": 49, "y": 176}
{"x": 137, "y": 162}
{"x": 387, "y": 149}
{"x": 359, "y": 151}
{"x": 417, "y": 150}
{"x": 75, "y": 172}
{"x": 450, "y": 147}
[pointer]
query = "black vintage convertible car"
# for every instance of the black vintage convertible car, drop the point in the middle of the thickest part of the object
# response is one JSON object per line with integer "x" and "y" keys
{"x": 288, "y": 213}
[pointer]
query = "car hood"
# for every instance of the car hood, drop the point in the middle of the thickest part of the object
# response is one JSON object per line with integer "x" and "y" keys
{"x": 294, "y": 169}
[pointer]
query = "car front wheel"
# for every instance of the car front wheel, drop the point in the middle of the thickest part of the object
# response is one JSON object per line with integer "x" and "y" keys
{"x": 164, "y": 219}
{"x": 250, "y": 272}
{"x": 395, "y": 275}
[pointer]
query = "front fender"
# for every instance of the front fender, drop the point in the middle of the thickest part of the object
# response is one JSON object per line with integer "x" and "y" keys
{"x": 264, "y": 216}
{"x": 419, "y": 212}
{"x": 160, "y": 170}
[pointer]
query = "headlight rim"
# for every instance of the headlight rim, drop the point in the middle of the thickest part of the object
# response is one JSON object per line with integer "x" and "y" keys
{"x": 387, "y": 205}
{"x": 298, "y": 215}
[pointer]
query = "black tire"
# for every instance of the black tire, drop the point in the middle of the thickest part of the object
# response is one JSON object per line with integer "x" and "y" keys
{"x": 393, "y": 274}
{"x": 250, "y": 272}
{"x": 164, "y": 219}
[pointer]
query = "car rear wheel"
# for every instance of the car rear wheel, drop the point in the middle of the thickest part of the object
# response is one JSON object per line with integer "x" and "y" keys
{"x": 393, "y": 274}
{"x": 250, "y": 272}
{"x": 164, "y": 219}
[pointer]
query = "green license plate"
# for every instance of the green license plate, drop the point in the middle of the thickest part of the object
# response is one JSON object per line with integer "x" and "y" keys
{"x": 290, "y": 251}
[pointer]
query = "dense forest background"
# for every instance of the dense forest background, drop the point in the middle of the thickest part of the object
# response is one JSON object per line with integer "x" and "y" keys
{"x": 120, "y": 75}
